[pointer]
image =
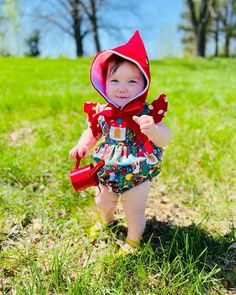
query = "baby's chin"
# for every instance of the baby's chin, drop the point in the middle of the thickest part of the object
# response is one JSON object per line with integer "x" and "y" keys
{"x": 121, "y": 102}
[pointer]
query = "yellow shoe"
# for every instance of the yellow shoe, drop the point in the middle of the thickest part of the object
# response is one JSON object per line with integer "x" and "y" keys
{"x": 98, "y": 228}
{"x": 134, "y": 244}
{"x": 128, "y": 247}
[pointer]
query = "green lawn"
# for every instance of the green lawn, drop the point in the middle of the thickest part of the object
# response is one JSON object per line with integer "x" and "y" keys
{"x": 44, "y": 245}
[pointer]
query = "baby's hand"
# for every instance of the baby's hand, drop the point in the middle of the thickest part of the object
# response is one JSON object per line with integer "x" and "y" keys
{"x": 81, "y": 150}
{"x": 146, "y": 123}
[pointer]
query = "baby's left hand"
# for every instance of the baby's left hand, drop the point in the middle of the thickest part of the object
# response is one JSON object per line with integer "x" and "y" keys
{"x": 146, "y": 123}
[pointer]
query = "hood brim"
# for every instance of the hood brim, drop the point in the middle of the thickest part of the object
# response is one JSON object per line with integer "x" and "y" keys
{"x": 133, "y": 51}
{"x": 96, "y": 75}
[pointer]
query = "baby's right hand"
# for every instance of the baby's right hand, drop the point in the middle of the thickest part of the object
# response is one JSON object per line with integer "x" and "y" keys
{"x": 81, "y": 150}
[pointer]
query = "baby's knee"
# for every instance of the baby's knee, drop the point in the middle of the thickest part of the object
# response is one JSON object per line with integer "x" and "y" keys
{"x": 105, "y": 203}
{"x": 99, "y": 200}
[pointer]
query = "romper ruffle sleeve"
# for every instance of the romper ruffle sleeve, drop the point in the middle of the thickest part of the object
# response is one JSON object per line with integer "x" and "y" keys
{"x": 92, "y": 108}
{"x": 158, "y": 108}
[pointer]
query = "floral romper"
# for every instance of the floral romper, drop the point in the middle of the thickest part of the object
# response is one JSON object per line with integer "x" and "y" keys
{"x": 126, "y": 162}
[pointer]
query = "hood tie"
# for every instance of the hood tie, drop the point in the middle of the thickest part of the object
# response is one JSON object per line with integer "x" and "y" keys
{"x": 126, "y": 113}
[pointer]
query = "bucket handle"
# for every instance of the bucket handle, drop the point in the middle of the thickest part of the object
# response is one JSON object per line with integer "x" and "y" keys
{"x": 77, "y": 162}
{"x": 94, "y": 170}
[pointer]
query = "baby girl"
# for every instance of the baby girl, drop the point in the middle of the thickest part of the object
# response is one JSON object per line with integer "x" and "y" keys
{"x": 132, "y": 131}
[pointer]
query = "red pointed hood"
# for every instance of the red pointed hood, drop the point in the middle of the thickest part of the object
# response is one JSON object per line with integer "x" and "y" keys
{"x": 133, "y": 51}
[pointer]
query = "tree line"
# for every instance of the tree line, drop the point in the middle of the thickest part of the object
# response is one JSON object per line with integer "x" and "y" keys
{"x": 203, "y": 22}
{"x": 209, "y": 20}
{"x": 76, "y": 18}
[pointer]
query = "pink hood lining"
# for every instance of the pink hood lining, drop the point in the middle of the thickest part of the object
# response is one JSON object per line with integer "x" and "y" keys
{"x": 96, "y": 74}
{"x": 133, "y": 51}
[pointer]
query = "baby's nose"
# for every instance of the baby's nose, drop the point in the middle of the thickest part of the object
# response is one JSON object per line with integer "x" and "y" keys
{"x": 122, "y": 89}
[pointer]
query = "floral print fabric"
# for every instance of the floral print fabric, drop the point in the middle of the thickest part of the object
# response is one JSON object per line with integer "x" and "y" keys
{"x": 126, "y": 162}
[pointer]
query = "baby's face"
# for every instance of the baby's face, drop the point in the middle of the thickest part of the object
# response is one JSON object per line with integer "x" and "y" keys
{"x": 126, "y": 83}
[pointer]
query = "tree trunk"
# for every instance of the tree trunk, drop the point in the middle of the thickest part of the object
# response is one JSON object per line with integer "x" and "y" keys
{"x": 95, "y": 37}
{"x": 93, "y": 19}
{"x": 199, "y": 24}
{"x": 79, "y": 46}
{"x": 77, "y": 19}
{"x": 227, "y": 44}
{"x": 201, "y": 40}
{"x": 217, "y": 28}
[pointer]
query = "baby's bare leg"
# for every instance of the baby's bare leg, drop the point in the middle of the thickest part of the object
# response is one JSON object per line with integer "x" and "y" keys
{"x": 106, "y": 202}
{"x": 134, "y": 203}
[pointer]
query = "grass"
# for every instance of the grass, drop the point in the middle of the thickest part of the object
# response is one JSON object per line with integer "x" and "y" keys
{"x": 44, "y": 246}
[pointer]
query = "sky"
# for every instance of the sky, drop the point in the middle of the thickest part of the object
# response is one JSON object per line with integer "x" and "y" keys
{"x": 164, "y": 37}
{"x": 157, "y": 23}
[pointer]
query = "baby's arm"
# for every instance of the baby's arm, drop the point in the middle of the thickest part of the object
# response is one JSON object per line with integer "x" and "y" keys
{"x": 85, "y": 143}
{"x": 158, "y": 133}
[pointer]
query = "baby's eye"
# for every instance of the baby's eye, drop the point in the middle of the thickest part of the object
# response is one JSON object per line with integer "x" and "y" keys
{"x": 114, "y": 80}
{"x": 132, "y": 81}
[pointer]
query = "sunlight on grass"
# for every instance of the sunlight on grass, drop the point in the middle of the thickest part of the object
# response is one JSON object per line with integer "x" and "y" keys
{"x": 44, "y": 245}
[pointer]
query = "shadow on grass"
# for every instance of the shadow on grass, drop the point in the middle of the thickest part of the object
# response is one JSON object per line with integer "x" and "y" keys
{"x": 179, "y": 260}
{"x": 195, "y": 244}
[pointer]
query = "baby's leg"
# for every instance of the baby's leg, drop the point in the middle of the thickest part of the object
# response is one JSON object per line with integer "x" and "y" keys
{"x": 134, "y": 203}
{"x": 106, "y": 202}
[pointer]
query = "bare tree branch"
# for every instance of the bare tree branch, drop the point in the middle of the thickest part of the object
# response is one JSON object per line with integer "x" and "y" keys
{"x": 78, "y": 18}
{"x": 65, "y": 14}
{"x": 52, "y": 20}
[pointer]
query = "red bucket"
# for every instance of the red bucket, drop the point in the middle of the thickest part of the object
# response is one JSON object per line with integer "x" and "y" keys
{"x": 84, "y": 177}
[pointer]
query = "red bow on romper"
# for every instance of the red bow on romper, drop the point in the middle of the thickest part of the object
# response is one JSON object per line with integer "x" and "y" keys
{"x": 157, "y": 111}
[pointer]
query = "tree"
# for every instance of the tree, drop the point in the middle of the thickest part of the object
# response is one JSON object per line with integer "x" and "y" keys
{"x": 198, "y": 17}
{"x": 8, "y": 24}
{"x": 188, "y": 39}
{"x": 91, "y": 11}
{"x": 224, "y": 24}
{"x": 228, "y": 19}
{"x": 1, "y": 21}
{"x": 65, "y": 15}
{"x": 33, "y": 44}
{"x": 78, "y": 18}
{"x": 216, "y": 28}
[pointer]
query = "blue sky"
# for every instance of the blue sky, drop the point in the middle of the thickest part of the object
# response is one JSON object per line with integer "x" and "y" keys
{"x": 165, "y": 16}
{"x": 157, "y": 24}
{"x": 161, "y": 36}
